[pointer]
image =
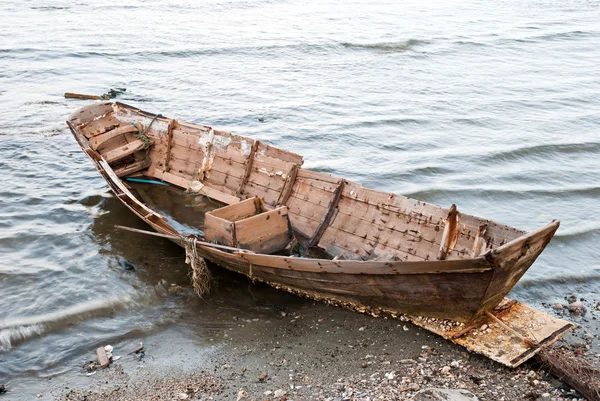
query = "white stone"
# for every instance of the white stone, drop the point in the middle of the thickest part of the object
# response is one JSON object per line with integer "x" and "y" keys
{"x": 279, "y": 393}
{"x": 443, "y": 394}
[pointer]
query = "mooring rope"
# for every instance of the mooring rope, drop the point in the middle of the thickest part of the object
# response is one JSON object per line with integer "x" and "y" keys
{"x": 201, "y": 277}
{"x": 141, "y": 135}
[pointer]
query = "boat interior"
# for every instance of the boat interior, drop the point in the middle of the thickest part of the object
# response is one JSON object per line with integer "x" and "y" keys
{"x": 204, "y": 169}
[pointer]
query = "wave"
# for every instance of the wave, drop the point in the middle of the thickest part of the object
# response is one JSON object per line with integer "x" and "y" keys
{"x": 556, "y": 36}
{"x": 172, "y": 53}
{"x": 566, "y": 35}
{"x": 577, "y": 232}
{"x": 389, "y": 122}
{"x": 50, "y": 8}
{"x": 545, "y": 150}
{"x": 388, "y": 47}
{"x": 16, "y": 330}
{"x": 580, "y": 278}
{"x": 496, "y": 192}
{"x": 17, "y": 335}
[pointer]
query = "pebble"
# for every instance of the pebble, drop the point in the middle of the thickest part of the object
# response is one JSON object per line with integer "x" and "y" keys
{"x": 241, "y": 395}
{"x": 439, "y": 394}
{"x": 445, "y": 370}
{"x": 557, "y": 307}
{"x": 184, "y": 396}
{"x": 577, "y": 308}
{"x": 279, "y": 393}
{"x": 263, "y": 376}
{"x": 572, "y": 299}
{"x": 390, "y": 376}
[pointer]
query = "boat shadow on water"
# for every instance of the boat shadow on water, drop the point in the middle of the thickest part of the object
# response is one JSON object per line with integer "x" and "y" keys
{"x": 160, "y": 263}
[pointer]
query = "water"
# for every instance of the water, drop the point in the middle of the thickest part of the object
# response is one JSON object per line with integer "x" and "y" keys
{"x": 494, "y": 107}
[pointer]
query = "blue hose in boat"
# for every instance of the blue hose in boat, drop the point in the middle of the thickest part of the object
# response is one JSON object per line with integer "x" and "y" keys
{"x": 146, "y": 181}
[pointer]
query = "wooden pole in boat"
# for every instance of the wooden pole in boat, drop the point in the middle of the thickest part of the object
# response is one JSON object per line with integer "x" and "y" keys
{"x": 181, "y": 238}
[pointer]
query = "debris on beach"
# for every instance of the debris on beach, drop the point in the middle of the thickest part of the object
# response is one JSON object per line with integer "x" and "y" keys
{"x": 91, "y": 366}
{"x": 263, "y": 376}
{"x": 103, "y": 358}
{"x": 138, "y": 349}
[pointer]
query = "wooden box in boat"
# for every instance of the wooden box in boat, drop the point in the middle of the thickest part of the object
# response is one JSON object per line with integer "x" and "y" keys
{"x": 365, "y": 248}
{"x": 249, "y": 225}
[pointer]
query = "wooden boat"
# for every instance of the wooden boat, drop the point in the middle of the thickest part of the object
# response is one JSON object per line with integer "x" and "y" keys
{"x": 361, "y": 248}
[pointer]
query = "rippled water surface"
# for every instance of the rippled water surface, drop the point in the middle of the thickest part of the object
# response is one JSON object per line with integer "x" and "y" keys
{"x": 492, "y": 106}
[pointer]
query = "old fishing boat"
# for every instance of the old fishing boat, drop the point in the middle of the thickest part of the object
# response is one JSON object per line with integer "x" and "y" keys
{"x": 375, "y": 248}
{"x": 304, "y": 231}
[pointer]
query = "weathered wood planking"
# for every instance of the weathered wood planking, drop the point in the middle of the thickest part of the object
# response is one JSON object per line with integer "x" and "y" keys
{"x": 395, "y": 292}
{"x": 268, "y": 173}
{"x": 123, "y": 151}
{"x": 98, "y": 140}
{"x": 131, "y": 168}
{"x": 425, "y": 213}
{"x": 309, "y": 200}
{"x": 101, "y": 125}
{"x": 87, "y": 114}
{"x": 290, "y": 180}
{"x": 266, "y": 232}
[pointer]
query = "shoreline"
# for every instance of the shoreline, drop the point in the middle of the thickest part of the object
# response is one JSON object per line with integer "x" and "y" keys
{"x": 309, "y": 351}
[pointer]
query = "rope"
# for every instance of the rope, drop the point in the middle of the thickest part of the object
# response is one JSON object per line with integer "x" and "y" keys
{"x": 201, "y": 277}
{"x": 143, "y": 137}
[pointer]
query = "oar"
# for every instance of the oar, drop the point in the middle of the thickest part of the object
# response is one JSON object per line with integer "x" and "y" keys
{"x": 181, "y": 238}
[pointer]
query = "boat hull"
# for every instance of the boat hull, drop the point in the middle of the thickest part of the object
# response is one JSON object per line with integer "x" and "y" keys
{"x": 398, "y": 255}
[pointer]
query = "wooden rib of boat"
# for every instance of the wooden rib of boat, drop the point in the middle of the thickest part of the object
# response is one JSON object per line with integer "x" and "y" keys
{"x": 375, "y": 249}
